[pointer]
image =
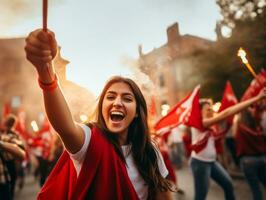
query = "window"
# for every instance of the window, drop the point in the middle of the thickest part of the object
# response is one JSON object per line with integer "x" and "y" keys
{"x": 15, "y": 101}
{"x": 161, "y": 80}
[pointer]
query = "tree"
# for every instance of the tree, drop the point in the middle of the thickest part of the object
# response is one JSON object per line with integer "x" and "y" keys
{"x": 239, "y": 10}
{"x": 220, "y": 63}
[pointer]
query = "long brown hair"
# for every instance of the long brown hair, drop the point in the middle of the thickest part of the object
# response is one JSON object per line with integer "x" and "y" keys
{"x": 142, "y": 148}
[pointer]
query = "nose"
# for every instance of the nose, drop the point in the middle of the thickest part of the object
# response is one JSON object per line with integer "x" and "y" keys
{"x": 117, "y": 101}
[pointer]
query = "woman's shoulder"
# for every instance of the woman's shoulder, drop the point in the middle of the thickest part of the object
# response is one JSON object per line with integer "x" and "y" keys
{"x": 95, "y": 132}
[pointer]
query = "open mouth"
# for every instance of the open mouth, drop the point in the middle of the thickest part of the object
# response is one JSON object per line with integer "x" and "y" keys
{"x": 117, "y": 116}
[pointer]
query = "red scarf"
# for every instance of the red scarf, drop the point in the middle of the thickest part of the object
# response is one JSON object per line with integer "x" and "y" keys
{"x": 103, "y": 175}
{"x": 200, "y": 145}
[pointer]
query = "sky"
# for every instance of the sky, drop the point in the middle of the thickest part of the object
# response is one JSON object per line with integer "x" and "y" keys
{"x": 101, "y": 37}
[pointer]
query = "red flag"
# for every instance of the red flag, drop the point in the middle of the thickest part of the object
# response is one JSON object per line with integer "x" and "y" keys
{"x": 6, "y": 110}
{"x": 229, "y": 97}
{"x": 187, "y": 111}
{"x": 255, "y": 86}
{"x": 20, "y": 126}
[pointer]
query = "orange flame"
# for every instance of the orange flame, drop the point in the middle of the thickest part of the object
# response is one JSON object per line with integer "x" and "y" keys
{"x": 242, "y": 54}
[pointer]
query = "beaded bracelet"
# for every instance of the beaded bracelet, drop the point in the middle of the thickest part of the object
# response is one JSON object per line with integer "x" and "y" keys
{"x": 48, "y": 86}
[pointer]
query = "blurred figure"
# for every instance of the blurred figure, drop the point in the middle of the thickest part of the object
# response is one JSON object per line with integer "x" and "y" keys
{"x": 251, "y": 149}
{"x": 41, "y": 146}
{"x": 11, "y": 151}
{"x": 203, "y": 163}
{"x": 176, "y": 147}
{"x": 263, "y": 119}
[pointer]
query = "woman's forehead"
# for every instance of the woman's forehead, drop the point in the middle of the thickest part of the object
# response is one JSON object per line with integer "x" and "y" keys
{"x": 120, "y": 87}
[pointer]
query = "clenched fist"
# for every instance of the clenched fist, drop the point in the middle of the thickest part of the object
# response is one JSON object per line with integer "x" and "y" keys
{"x": 41, "y": 48}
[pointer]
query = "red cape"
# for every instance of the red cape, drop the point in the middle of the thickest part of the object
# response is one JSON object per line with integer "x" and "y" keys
{"x": 103, "y": 175}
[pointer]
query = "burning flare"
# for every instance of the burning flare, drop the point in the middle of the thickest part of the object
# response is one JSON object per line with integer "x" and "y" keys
{"x": 242, "y": 54}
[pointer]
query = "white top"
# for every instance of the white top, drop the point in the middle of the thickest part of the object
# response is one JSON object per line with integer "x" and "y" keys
{"x": 208, "y": 154}
{"x": 137, "y": 181}
{"x": 175, "y": 136}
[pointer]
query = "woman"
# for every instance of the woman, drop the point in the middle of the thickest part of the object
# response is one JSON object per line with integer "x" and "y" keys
{"x": 203, "y": 157}
{"x": 112, "y": 158}
{"x": 251, "y": 149}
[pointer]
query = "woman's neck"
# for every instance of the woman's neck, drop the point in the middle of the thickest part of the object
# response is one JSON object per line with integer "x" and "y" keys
{"x": 122, "y": 139}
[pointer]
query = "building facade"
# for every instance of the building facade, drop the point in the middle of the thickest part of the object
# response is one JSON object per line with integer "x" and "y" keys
{"x": 172, "y": 67}
{"x": 19, "y": 85}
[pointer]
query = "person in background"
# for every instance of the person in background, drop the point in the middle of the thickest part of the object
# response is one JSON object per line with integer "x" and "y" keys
{"x": 251, "y": 149}
{"x": 176, "y": 147}
{"x": 11, "y": 151}
{"x": 203, "y": 161}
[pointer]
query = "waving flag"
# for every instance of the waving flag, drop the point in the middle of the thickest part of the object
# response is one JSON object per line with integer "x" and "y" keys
{"x": 255, "y": 86}
{"x": 229, "y": 97}
{"x": 187, "y": 111}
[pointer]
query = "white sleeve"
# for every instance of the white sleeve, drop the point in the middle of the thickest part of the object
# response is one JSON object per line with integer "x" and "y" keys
{"x": 162, "y": 168}
{"x": 78, "y": 157}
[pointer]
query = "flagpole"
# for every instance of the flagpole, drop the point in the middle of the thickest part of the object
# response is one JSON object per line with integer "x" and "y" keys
{"x": 44, "y": 14}
{"x": 44, "y": 23}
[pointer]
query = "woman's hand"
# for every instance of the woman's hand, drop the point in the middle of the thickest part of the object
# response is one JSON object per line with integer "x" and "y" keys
{"x": 41, "y": 48}
{"x": 262, "y": 93}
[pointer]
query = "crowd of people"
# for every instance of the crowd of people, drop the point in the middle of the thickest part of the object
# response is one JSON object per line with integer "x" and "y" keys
{"x": 21, "y": 155}
{"x": 116, "y": 151}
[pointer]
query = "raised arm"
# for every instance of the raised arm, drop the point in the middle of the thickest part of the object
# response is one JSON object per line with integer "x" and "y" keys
{"x": 14, "y": 149}
{"x": 41, "y": 48}
{"x": 233, "y": 109}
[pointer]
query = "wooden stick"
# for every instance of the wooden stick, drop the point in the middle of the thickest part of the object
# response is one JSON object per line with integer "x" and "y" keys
{"x": 44, "y": 14}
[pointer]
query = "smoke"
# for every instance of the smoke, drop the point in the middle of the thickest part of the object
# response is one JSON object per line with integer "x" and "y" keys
{"x": 143, "y": 80}
{"x": 13, "y": 12}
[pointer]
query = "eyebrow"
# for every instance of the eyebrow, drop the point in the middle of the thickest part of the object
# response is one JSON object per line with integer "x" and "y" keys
{"x": 125, "y": 93}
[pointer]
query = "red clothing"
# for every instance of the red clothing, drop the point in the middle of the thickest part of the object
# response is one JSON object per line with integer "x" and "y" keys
{"x": 103, "y": 175}
{"x": 187, "y": 144}
{"x": 168, "y": 165}
{"x": 218, "y": 136}
{"x": 249, "y": 142}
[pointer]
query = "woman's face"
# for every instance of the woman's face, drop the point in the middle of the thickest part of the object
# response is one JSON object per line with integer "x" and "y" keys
{"x": 207, "y": 111}
{"x": 119, "y": 107}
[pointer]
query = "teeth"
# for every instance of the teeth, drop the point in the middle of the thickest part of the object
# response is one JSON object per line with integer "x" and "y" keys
{"x": 117, "y": 113}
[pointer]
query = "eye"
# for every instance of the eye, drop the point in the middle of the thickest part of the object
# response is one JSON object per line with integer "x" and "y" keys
{"x": 128, "y": 99}
{"x": 110, "y": 97}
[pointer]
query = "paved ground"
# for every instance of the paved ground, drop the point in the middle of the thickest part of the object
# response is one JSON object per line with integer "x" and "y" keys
{"x": 185, "y": 182}
{"x": 215, "y": 193}
{"x": 29, "y": 191}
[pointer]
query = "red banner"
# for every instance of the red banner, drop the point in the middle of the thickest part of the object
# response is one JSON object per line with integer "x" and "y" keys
{"x": 255, "y": 86}
{"x": 187, "y": 111}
